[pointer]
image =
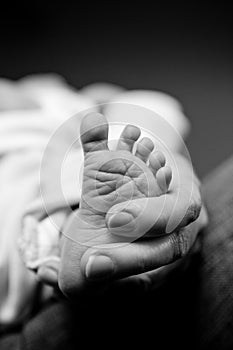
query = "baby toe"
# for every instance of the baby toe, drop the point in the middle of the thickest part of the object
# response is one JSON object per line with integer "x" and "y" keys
{"x": 163, "y": 177}
{"x": 128, "y": 137}
{"x": 144, "y": 148}
{"x": 157, "y": 160}
{"x": 94, "y": 132}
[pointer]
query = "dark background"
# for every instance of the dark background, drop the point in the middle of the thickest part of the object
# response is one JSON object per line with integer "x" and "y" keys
{"x": 183, "y": 49}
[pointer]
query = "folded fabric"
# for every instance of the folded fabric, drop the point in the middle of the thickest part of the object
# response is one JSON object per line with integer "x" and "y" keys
{"x": 24, "y": 133}
{"x": 41, "y": 169}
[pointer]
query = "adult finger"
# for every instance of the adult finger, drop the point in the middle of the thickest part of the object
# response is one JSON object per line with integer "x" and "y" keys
{"x": 113, "y": 262}
{"x": 156, "y": 215}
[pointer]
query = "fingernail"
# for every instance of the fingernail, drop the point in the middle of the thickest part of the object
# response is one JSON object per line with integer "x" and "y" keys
{"x": 99, "y": 267}
{"x": 120, "y": 219}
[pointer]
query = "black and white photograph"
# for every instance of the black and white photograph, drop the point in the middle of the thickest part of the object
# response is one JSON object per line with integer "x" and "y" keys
{"x": 116, "y": 175}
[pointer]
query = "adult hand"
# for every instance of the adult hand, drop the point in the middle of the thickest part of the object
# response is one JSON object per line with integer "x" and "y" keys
{"x": 175, "y": 219}
{"x": 171, "y": 237}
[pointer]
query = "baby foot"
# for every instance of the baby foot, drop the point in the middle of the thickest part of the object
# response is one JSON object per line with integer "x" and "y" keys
{"x": 109, "y": 178}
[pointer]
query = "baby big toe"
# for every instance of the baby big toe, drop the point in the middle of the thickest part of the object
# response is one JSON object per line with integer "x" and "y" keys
{"x": 94, "y": 132}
